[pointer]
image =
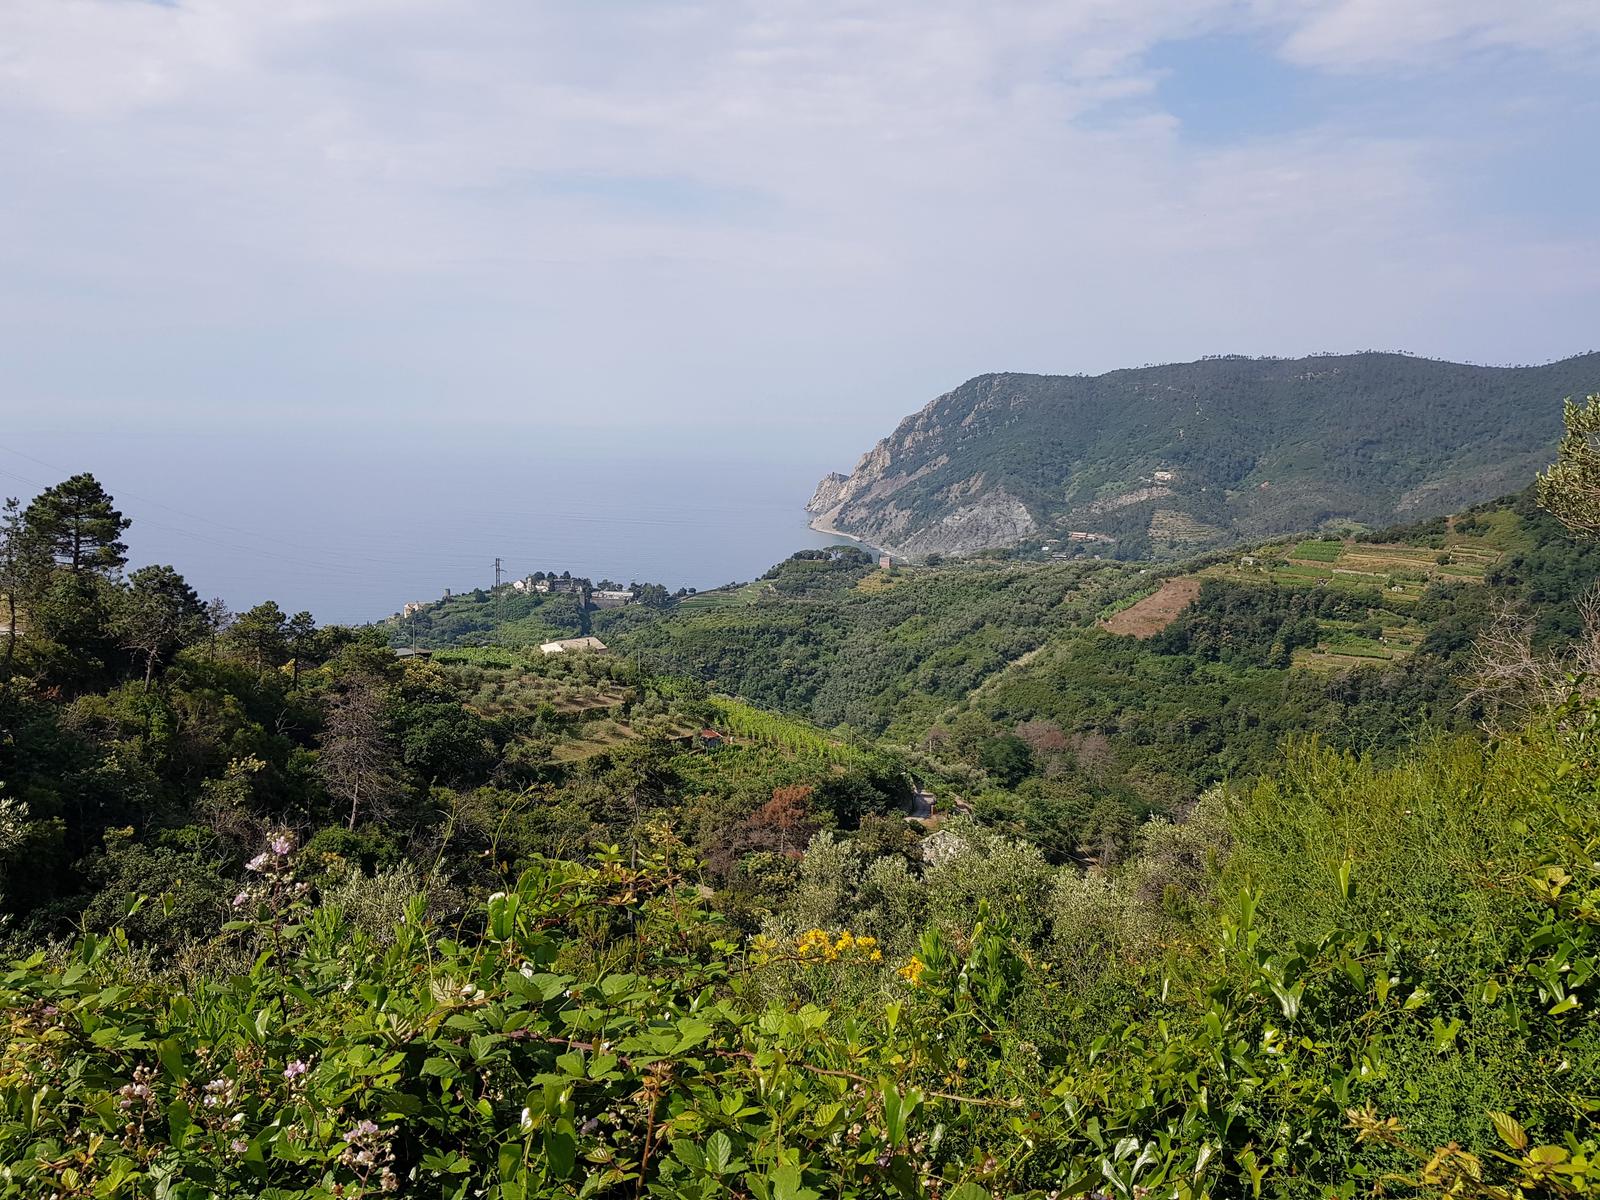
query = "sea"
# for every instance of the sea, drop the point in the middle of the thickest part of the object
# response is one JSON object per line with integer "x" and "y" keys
{"x": 353, "y": 526}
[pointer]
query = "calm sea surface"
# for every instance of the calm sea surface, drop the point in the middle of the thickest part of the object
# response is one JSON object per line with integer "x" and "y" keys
{"x": 353, "y": 530}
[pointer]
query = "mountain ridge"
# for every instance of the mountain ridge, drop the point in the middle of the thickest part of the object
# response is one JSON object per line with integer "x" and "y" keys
{"x": 1149, "y": 461}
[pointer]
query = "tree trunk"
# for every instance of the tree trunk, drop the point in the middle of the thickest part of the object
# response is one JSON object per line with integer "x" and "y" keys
{"x": 11, "y": 630}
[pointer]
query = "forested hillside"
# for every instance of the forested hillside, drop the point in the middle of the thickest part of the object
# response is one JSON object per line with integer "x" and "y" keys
{"x": 1290, "y": 891}
{"x": 1169, "y": 459}
{"x": 1001, "y": 682}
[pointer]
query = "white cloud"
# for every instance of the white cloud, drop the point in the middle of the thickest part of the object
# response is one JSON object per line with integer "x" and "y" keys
{"x": 357, "y": 202}
{"x": 1411, "y": 33}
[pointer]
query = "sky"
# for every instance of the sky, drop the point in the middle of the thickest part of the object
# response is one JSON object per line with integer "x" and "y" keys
{"x": 741, "y": 225}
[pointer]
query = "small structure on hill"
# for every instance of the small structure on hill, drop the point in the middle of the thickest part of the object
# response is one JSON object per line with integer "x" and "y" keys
{"x": 573, "y": 645}
{"x": 611, "y": 599}
{"x": 408, "y": 652}
{"x": 559, "y": 587}
{"x": 885, "y": 561}
{"x": 709, "y": 739}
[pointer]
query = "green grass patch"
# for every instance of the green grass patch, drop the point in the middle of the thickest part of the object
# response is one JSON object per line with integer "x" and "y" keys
{"x": 1318, "y": 551}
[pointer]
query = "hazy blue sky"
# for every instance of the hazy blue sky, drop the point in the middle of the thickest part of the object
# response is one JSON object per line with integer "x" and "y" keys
{"x": 461, "y": 219}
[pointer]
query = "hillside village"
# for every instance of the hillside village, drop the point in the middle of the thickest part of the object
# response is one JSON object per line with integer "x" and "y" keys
{"x": 540, "y": 608}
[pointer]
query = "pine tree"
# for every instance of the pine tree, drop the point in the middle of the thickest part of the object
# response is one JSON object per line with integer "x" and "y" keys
{"x": 262, "y": 635}
{"x": 13, "y": 572}
{"x": 301, "y": 632}
{"x": 76, "y": 524}
{"x": 157, "y": 616}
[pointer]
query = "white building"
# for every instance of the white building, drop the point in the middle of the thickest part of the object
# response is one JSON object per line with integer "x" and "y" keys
{"x": 573, "y": 645}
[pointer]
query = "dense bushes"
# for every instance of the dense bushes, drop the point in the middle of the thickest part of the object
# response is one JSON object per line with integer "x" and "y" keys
{"x": 1346, "y": 977}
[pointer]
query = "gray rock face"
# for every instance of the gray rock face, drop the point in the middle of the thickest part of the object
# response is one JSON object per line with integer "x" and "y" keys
{"x": 862, "y": 504}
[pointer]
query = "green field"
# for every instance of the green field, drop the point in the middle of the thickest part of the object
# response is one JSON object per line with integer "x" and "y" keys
{"x": 724, "y": 598}
{"x": 1318, "y": 551}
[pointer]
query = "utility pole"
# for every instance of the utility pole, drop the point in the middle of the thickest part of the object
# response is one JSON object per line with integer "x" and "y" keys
{"x": 497, "y": 573}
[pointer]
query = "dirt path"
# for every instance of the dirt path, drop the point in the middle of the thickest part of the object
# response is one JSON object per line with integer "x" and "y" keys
{"x": 1156, "y": 611}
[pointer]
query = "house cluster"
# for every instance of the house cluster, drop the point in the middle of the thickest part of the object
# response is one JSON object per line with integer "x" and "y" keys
{"x": 598, "y": 597}
{"x": 547, "y": 587}
{"x": 1083, "y": 535}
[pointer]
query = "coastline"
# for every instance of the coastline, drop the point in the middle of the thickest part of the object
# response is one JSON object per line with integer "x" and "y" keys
{"x": 818, "y": 525}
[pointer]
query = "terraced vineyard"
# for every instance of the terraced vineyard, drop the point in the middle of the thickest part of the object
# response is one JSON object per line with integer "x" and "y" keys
{"x": 726, "y": 597}
{"x": 1401, "y": 572}
{"x": 1387, "y": 637}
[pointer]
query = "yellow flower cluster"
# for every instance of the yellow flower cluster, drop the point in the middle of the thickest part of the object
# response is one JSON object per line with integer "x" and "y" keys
{"x": 818, "y": 946}
{"x": 912, "y": 971}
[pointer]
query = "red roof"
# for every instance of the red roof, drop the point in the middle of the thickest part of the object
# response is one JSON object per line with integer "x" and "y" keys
{"x": 709, "y": 733}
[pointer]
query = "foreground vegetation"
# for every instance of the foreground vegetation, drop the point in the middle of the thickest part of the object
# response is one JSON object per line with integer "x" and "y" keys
{"x": 1347, "y": 978}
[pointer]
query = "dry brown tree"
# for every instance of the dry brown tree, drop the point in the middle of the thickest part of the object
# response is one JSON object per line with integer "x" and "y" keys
{"x": 357, "y": 762}
{"x": 1512, "y": 680}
